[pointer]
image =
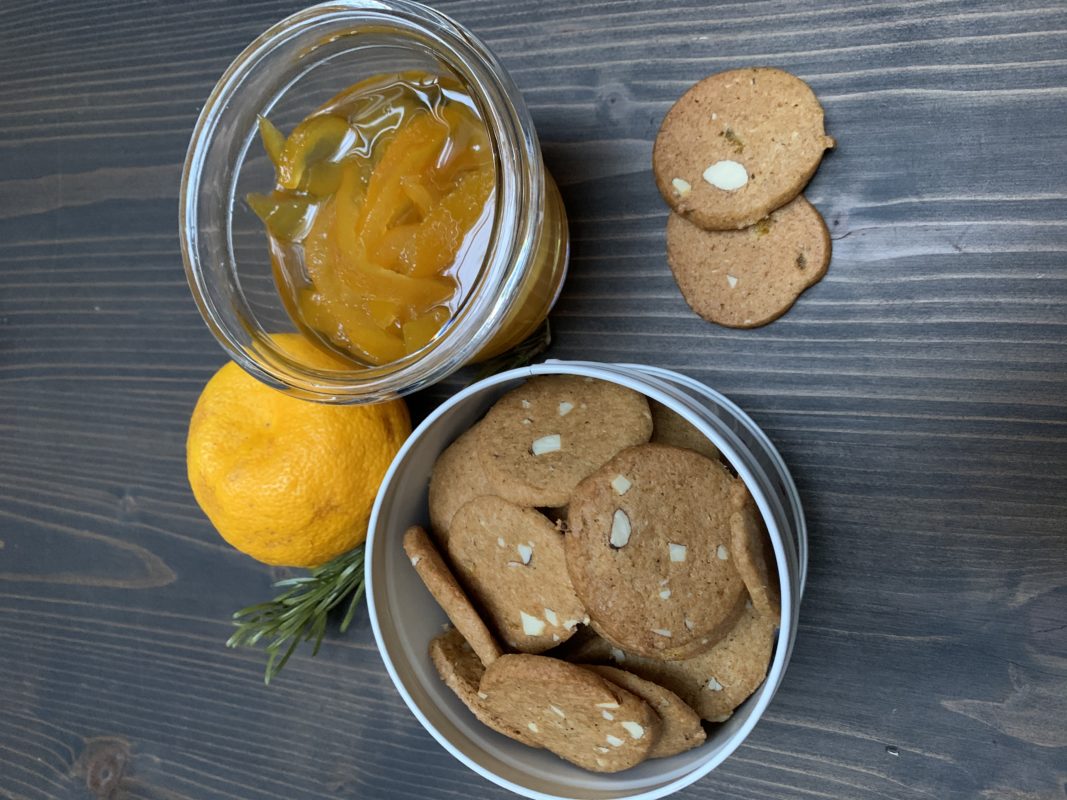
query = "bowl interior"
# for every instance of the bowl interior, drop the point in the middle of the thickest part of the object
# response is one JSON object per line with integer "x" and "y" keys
{"x": 406, "y": 618}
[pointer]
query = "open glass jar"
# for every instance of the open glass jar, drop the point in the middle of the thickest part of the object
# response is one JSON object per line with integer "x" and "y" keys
{"x": 296, "y": 67}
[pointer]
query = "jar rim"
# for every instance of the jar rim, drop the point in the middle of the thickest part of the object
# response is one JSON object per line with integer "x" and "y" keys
{"x": 517, "y": 214}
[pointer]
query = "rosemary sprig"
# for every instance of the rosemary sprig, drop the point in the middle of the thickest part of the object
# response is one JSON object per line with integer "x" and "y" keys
{"x": 520, "y": 355}
{"x": 300, "y": 612}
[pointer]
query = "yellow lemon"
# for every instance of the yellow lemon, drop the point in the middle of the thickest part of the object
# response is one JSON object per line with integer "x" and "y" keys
{"x": 289, "y": 482}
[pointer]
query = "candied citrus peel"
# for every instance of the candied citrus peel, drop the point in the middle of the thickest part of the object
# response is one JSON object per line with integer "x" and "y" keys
{"x": 377, "y": 198}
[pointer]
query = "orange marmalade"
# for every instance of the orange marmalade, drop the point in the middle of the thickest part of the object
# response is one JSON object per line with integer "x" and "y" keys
{"x": 381, "y": 213}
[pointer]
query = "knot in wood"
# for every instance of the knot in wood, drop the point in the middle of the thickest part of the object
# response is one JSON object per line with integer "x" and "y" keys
{"x": 103, "y": 763}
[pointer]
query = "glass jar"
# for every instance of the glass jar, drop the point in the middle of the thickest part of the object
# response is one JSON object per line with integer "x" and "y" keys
{"x": 292, "y": 69}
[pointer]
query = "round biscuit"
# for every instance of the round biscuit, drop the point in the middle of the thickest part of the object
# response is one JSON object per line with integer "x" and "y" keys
{"x": 538, "y": 441}
{"x": 646, "y": 549}
{"x": 754, "y": 554}
{"x": 442, "y": 584}
{"x": 763, "y": 120}
{"x": 511, "y": 561}
{"x": 680, "y": 725}
{"x": 571, "y": 711}
{"x": 462, "y": 670}
{"x": 713, "y": 683}
{"x": 671, "y": 428}
{"x": 693, "y": 647}
{"x": 747, "y": 278}
{"x": 457, "y": 478}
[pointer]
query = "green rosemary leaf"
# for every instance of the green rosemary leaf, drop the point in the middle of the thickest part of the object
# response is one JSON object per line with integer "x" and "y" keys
{"x": 319, "y": 631}
{"x": 300, "y": 613}
{"x": 251, "y": 610}
{"x": 275, "y": 664}
{"x": 351, "y": 612}
{"x": 294, "y": 581}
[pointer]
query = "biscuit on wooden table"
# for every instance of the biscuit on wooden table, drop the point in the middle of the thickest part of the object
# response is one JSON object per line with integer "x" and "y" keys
{"x": 738, "y": 145}
{"x": 747, "y": 278}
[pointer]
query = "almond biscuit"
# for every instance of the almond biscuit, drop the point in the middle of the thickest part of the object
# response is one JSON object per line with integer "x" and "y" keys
{"x": 511, "y": 562}
{"x": 457, "y": 478}
{"x": 571, "y": 711}
{"x": 462, "y": 670}
{"x": 738, "y": 145}
{"x": 449, "y": 594}
{"x": 713, "y": 683}
{"x": 747, "y": 278}
{"x": 647, "y": 551}
{"x": 680, "y": 726}
{"x": 539, "y": 440}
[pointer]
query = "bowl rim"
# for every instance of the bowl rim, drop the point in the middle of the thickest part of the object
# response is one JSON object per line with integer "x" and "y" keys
{"x": 622, "y": 374}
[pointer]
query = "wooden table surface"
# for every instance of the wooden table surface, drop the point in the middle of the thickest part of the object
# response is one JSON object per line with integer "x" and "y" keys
{"x": 918, "y": 394}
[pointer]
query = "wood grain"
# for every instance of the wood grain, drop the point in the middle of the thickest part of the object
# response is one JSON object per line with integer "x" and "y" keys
{"x": 918, "y": 394}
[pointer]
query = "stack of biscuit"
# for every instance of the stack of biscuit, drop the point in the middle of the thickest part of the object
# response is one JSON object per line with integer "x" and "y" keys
{"x": 731, "y": 159}
{"x": 608, "y": 577}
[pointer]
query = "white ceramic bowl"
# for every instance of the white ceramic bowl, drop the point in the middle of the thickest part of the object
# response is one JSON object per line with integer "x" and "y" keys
{"x": 405, "y": 617}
